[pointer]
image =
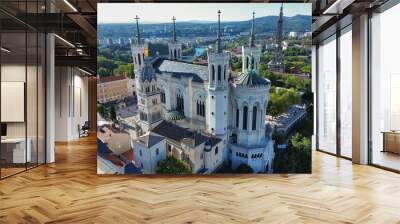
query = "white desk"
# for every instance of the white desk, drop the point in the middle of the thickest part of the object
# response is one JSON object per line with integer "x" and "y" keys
{"x": 18, "y": 149}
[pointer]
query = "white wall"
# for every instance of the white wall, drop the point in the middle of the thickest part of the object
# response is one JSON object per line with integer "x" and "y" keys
{"x": 71, "y": 102}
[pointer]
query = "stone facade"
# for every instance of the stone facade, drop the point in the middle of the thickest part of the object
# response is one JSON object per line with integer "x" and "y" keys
{"x": 231, "y": 110}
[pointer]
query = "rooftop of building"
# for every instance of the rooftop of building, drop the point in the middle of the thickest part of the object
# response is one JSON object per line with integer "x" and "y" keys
{"x": 176, "y": 133}
{"x": 150, "y": 139}
{"x": 112, "y": 78}
{"x": 126, "y": 112}
{"x": 180, "y": 69}
{"x": 251, "y": 78}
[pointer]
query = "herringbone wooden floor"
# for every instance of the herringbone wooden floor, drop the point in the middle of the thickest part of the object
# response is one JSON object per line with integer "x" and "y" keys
{"x": 69, "y": 191}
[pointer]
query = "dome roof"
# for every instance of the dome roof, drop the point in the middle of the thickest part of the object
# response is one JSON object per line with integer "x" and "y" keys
{"x": 251, "y": 78}
{"x": 174, "y": 115}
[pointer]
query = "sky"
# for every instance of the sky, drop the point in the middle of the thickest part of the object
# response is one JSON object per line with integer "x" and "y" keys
{"x": 163, "y": 12}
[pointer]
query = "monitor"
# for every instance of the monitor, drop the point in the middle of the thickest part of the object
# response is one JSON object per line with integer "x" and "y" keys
{"x": 3, "y": 129}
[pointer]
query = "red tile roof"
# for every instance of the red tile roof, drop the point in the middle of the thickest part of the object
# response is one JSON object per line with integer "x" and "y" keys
{"x": 112, "y": 78}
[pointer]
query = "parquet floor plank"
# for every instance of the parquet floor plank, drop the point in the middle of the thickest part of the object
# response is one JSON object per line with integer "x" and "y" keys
{"x": 70, "y": 191}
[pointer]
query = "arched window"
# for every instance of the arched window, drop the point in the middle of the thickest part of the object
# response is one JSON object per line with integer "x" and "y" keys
{"x": 245, "y": 118}
{"x": 179, "y": 103}
{"x": 163, "y": 97}
{"x": 157, "y": 151}
{"x": 254, "y": 122}
{"x": 219, "y": 72}
{"x": 175, "y": 55}
{"x": 216, "y": 150}
{"x": 200, "y": 108}
{"x": 140, "y": 62}
{"x": 204, "y": 110}
{"x": 213, "y": 72}
{"x": 224, "y": 72}
{"x": 237, "y": 118}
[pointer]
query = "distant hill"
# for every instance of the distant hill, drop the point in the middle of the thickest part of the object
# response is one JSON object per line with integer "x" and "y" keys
{"x": 298, "y": 23}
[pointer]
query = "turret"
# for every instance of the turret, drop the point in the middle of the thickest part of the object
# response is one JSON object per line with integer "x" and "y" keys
{"x": 137, "y": 49}
{"x": 251, "y": 54}
{"x": 218, "y": 65}
{"x": 148, "y": 96}
{"x": 175, "y": 48}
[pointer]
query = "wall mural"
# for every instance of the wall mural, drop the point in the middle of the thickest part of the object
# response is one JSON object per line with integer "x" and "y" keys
{"x": 204, "y": 88}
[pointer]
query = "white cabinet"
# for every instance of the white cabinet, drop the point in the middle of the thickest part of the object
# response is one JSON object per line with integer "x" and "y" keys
{"x": 17, "y": 146}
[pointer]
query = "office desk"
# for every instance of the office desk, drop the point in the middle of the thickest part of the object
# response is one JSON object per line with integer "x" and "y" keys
{"x": 391, "y": 141}
{"x": 13, "y": 150}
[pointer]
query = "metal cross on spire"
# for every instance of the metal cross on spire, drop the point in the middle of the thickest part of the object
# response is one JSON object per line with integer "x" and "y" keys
{"x": 252, "y": 37}
{"x": 137, "y": 30}
{"x": 219, "y": 32}
{"x": 173, "y": 31}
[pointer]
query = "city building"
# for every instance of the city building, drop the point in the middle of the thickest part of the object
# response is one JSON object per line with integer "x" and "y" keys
{"x": 293, "y": 34}
{"x": 167, "y": 86}
{"x": 355, "y": 165}
{"x": 113, "y": 88}
{"x": 150, "y": 150}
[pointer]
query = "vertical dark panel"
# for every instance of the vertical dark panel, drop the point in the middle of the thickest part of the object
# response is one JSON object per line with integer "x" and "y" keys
{"x": 245, "y": 117}
{"x": 26, "y": 86}
{"x": 369, "y": 96}
{"x": 338, "y": 73}
{"x": 317, "y": 97}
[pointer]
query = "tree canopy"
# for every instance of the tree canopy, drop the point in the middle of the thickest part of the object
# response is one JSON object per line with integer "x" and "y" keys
{"x": 171, "y": 165}
{"x": 244, "y": 168}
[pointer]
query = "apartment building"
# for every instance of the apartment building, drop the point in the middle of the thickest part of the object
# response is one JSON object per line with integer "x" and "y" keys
{"x": 113, "y": 88}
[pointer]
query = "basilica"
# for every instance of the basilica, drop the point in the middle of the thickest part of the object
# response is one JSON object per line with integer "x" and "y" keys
{"x": 201, "y": 114}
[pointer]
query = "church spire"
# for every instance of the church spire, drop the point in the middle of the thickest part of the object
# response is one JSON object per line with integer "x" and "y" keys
{"x": 252, "y": 37}
{"x": 173, "y": 31}
{"x": 138, "y": 41}
{"x": 219, "y": 32}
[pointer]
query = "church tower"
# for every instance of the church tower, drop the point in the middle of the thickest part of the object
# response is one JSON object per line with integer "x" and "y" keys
{"x": 276, "y": 64}
{"x": 148, "y": 95}
{"x": 175, "y": 48}
{"x": 137, "y": 49}
{"x": 251, "y": 54}
{"x": 218, "y": 65}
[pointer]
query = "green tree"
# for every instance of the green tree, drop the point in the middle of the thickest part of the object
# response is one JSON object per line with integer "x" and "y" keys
{"x": 100, "y": 109}
{"x": 296, "y": 158}
{"x": 102, "y": 72}
{"x": 278, "y": 137}
{"x": 171, "y": 165}
{"x": 113, "y": 114}
{"x": 244, "y": 168}
{"x": 301, "y": 147}
{"x": 280, "y": 101}
{"x": 236, "y": 64}
{"x": 106, "y": 63}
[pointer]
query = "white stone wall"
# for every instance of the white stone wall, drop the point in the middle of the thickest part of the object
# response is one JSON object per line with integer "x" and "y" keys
{"x": 218, "y": 93}
{"x": 250, "y": 97}
{"x": 138, "y": 56}
{"x": 212, "y": 161}
{"x": 175, "y": 51}
{"x": 258, "y": 158}
{"x": 149, "y": 103}
{"x": 247, "y": 53}
{"x": 147, "y": 158}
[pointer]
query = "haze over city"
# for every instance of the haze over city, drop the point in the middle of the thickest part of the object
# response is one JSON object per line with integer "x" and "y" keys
{"x": 156, "y": 12}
